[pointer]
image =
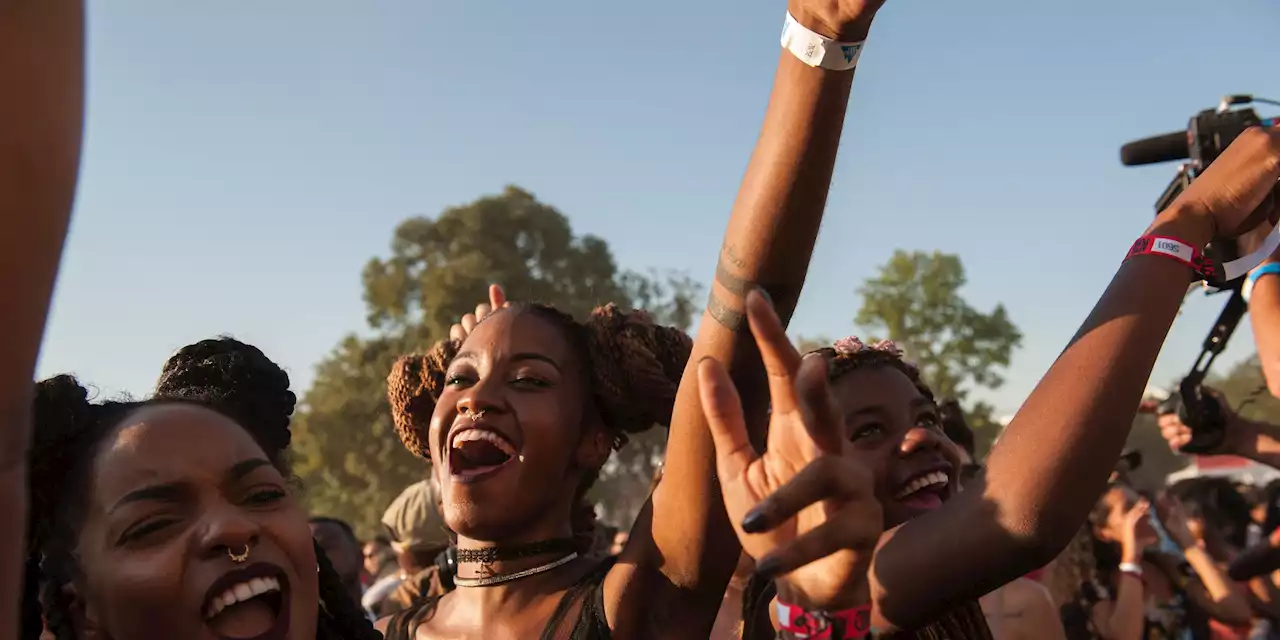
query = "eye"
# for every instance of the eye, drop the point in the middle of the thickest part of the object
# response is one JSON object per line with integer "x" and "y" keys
{"x": 530, "y": 381}
{"x": 458, "y": 380}
{"x": 866, "y": 431}
{"x": 929, "y": 420}
{"x": 266, "y": 497}
{"x": 145, "y": 528}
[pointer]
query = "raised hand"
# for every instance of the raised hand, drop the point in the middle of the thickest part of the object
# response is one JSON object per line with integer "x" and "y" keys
{"x": 806, "y": 515}
{"x": 497, "y": 300}
{"x": 1138, "y": 534}
{"x": 844, "y": 20}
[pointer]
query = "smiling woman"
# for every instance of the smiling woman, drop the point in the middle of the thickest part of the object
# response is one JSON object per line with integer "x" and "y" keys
{"x": 174, "y": 517}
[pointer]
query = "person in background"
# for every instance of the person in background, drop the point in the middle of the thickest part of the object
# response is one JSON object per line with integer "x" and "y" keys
{"x": 379, "y": 560}
{"x": 340, "y": 544}
{"x": 418, "y": 535}
{"x": 1022, "y": 608}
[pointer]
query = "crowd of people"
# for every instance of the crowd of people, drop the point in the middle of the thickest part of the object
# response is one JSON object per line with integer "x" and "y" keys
{"x": 819, "y": 495}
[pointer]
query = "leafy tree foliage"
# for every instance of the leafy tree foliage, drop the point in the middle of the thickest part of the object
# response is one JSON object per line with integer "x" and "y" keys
{"x": 915, "y": 301}
{"x": 347, "y": 453}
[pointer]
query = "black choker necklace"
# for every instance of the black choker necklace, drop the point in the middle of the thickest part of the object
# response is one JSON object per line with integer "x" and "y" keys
{"x": 489, "y": 555}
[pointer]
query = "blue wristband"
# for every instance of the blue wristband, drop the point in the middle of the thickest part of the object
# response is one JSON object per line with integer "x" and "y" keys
{"x": 1266, "y": 269}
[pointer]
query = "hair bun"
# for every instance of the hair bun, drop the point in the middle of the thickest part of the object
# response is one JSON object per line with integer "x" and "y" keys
{"x": 414, "y": 384}
{"x": 235, "y": 378}
{"x": 638, "y": 366}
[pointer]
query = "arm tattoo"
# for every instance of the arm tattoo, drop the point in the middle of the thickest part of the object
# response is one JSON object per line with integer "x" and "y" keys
{"x": 728, "y": 317}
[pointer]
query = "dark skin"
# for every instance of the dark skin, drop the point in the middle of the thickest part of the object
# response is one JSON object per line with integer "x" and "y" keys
{"x": 671, "y": 577}
{"x": 895, "y": 432}
{"x": 173, "y": 489}
{"x": 1042, "y": 478}
{"x": 343, "y": 552}
{"x": 41, "y": 118}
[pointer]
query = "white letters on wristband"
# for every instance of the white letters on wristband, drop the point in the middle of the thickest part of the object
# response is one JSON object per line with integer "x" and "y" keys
{"x": 817, "y": 50}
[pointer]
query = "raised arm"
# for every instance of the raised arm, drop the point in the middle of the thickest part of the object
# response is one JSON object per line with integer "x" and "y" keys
{"x": 682, "y": 550}
{"x": 1054, "y": 459}
{"x": 41, "y": 113}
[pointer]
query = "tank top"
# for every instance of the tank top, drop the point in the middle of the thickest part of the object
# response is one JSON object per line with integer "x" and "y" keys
{"x": 586, "y": 597}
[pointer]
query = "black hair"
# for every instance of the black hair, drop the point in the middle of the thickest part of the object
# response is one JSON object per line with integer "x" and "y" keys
{"x": 347, "y": 531}
{"x": 223, "y": 375}
{"x": 633, "y": 368}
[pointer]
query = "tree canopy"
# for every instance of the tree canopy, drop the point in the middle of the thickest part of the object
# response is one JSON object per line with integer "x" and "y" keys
{"x": 915, "y": 300}
{"x": 347, "y": 453}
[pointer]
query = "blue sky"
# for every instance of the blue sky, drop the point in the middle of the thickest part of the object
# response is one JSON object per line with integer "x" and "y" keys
{"x": 244, "y": 160}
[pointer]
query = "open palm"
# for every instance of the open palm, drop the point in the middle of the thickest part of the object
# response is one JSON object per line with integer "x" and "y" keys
{"x": 804, "y": 513}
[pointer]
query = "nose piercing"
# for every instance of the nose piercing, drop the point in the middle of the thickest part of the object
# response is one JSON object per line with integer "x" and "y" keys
{"x": 473, "y": 415}
{"x": 239, "y": 558}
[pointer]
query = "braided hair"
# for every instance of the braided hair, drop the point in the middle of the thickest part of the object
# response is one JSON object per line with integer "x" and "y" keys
{"x": 633, "y": 368}
{"x": 224, "y": 375}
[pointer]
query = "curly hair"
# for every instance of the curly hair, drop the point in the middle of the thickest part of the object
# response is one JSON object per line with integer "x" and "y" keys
{"x": 224, "y": 375}
{"x": 633, "y": 368}
{"x": 850, "y": 354}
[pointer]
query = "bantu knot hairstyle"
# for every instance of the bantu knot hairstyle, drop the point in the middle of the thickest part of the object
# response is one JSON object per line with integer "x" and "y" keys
{"x": 851, "y": 354}
{"x": 633, "y": 365}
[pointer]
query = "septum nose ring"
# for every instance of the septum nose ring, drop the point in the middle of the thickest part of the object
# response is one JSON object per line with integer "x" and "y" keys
{"x": 239, "y": 558}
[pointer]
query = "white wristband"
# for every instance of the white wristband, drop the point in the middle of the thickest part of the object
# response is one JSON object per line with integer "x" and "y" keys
{"x": 817, "y": 50}
{"x": 1131, "y": 568}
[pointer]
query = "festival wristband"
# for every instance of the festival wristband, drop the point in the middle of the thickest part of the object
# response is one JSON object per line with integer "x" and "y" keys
{"x": 1132, "y": 569}
{"x": 817, "y": 50}
{"x": 1264, "y": 270}
{"x": 1176, "y": 250}
{"x": 824, "y": 625}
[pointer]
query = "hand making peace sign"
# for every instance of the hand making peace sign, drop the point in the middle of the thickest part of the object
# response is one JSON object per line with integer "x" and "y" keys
{"x": 804, "y": 513}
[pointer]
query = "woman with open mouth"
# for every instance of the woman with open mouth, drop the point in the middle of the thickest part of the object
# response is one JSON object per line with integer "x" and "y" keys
{"x": 518, "y": 416}
{"x": 175, "y": 517}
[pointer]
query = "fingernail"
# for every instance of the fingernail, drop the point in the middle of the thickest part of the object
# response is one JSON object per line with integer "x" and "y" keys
{"x": 765, "y": 294}
{"x": 767, "y": 569}
{"x": 754, "y": 521}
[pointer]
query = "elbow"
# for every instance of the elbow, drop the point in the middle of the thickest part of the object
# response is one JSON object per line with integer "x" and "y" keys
{"x": 1039, "y": 541}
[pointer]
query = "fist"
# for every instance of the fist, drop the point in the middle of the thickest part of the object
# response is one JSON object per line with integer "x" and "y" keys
{"x": 843, "y": 20}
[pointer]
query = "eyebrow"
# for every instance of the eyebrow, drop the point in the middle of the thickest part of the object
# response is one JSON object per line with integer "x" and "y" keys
{"x": 515, "y": 357}
{"x": 174, "y": 491}
{"x": 916, "y": 403}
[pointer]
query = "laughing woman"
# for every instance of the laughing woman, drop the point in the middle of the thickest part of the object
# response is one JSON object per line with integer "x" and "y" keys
{"x": 518, "y": 417}
{"x": 175, "y": 517}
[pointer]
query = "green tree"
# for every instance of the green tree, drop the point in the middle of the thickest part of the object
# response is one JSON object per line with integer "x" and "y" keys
{"x": 1246, "y": 391}
{"x": 347, "y": 454}
{"x": 915, "y": 301}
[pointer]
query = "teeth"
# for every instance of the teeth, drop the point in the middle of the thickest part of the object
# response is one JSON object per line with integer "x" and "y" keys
{"x": 240, "y": 593}
{"x": 927, "y": 480}
{"x": 483, "y": 435}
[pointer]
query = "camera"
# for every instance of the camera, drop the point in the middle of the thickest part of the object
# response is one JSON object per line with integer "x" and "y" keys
{"x": 1206, "y": 137}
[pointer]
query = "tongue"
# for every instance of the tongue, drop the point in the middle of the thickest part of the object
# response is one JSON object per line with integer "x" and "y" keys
{"x": 923, "y": 500}
{"x": 248, "y": 619}
{"x": 478, "y": 454}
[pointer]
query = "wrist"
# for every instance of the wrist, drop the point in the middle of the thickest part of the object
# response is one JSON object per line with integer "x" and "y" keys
{"x": 1130, "y": 554}
{"x": 847, "y": 597}
{"x": 1185, "y": 223}
{"x": 855, "y": 30}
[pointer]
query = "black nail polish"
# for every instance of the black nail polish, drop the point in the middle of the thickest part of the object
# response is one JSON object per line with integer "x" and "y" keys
{"x": 767, "y": 569}
{"x": 765, "y": 294}
{"x": 753, "y": 522}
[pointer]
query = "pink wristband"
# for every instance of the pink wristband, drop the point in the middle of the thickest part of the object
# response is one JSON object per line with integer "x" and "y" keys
{"x": 823, "y": 625}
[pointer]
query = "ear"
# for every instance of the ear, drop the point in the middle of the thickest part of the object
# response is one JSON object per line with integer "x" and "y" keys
{"x": 594, "y": 447}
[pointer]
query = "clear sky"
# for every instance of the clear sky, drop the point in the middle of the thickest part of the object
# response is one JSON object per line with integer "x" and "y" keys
{"x": 244, "y": 159}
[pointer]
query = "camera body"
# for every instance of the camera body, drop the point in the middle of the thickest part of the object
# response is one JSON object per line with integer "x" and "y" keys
{"x": 1209, "y": 134}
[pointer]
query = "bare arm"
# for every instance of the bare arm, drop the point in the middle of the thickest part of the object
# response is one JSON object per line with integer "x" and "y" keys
{"x": 1214, "y": 592}
{"x": 1123, "y": 618}
{"x": 682, "y": 549}
{"x": 1054, "y": 459}
{"x": 41, "y": 114}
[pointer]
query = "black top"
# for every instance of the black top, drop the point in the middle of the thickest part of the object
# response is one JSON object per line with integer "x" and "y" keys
{"x": 586, "y": 597}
